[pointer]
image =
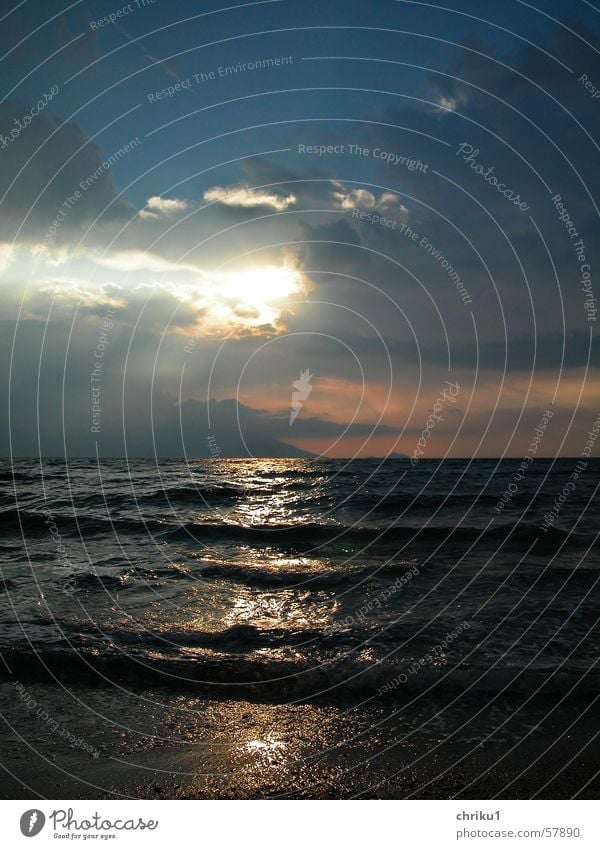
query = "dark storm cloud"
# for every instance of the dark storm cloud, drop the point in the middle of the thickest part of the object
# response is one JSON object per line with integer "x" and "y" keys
{"x": 521, "y": 354}
{"x": 44, "y": 162}
{"x": 315, "y": 428}
{"x": 488, "y": 66}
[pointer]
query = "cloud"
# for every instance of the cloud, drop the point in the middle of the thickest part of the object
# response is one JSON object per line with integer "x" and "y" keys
{"x": 7, "y": 253}
{"x": 128, "y": 260}
{"x": 248, "y": 198}
{"x": 487, "y": 68}
{"x": 450, "y": 104}
{"x": 134, "y": 260}
{"x": 320, "y": 428}
{"x": 364, "y": 199}
{"x": 43, "y": 168}
{"x": 157, "y": 207}
{"x": 242, "y": 300}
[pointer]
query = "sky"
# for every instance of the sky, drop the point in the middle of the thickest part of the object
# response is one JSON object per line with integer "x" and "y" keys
{"x": 286, "y": 228}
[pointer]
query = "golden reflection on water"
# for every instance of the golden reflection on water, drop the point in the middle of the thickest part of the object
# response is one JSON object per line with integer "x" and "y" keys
{"x": 266, "y": 752}
{"x": 264, "y": 503}
{"x": 265, "y": 746}
{"x": 284, "y": 609}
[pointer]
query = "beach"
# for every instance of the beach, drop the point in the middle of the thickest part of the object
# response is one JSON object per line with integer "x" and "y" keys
{"x": 154, "y": 745}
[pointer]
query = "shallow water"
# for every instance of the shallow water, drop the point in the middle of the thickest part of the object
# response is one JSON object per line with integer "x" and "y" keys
{"x": 303, "y": 577}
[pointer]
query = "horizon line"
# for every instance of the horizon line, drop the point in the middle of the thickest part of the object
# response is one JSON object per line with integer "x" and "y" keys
{"x": 267, "y": 457}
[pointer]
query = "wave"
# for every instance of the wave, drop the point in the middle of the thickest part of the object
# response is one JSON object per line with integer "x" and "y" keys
{"x": 30, "y": 520}
{"x": 192, "y": 494}
{"x": 316, "y": 579}
{"x": 301, "y": 535}
{"x": 14, "y": 476}
{"x": 95, "y": 580}
{"x": 335, "y": 677}
{"x": 310, "y": 534}
{"x": 389, "y": 502}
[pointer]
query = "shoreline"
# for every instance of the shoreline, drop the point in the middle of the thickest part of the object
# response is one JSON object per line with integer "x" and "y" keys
{"x": 158, "y": 744}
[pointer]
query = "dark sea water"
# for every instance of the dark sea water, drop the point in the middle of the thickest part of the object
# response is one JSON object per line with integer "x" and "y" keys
{"x": 302, "y": 578}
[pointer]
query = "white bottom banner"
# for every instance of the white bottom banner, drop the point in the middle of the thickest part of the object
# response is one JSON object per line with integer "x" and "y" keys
{"x": 293, "y": 824}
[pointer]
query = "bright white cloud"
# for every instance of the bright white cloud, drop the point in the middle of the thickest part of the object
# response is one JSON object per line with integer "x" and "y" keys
{"x": 357, "y": 197}
{"x": 235, "y": 299}
{"x": 71, "y": 292}
{"x": 389, "y": 199}
{"x": 244, "y": 196}
{"x": 205, "y": 300}
{"x": 364, "y": 199}
{"x": 157, "y": 207}
{"x": 450, "y": 104}
{"x": 55, "y": 255}
{"x": 7, "y": 255}
{"x": 139, "y": 261}
{"x": 126, "y": 260}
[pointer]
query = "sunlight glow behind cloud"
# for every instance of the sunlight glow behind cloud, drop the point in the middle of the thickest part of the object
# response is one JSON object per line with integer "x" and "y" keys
{"x": 200, "y": 300}
{"x": 6, "y": 255}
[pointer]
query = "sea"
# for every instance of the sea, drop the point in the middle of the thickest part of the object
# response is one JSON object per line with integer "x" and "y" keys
{"x": 302, "y": 579}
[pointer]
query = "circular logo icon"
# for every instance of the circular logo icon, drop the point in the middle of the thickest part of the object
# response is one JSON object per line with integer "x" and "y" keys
{"x": 32, "y": 822}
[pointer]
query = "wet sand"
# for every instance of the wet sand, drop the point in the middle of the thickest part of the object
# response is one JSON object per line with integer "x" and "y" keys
{"x": 99, "y": 743}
